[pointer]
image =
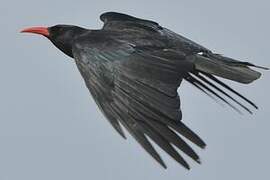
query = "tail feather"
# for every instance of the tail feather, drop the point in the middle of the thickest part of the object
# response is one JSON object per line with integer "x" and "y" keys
{"x": 225, "y": 67}
{"x": 231, "y": 61}
{"x": 223, "y": 92}
{"x": 230, "y": 89}
{"x": 206, "y": 88}
{"x": 209, "y": 65}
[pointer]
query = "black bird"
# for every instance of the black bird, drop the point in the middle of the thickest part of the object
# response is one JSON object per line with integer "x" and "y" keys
{"x": 133, "y": 68}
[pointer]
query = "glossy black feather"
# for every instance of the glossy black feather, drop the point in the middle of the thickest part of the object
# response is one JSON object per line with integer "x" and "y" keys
{"x": 133, "y": 68}
{"x": 141, "y": 86}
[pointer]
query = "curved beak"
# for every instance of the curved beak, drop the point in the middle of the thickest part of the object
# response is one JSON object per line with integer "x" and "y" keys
{"x": 37, "y": 30}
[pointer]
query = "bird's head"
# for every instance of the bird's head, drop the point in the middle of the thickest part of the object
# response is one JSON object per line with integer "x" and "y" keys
{"x": 62, "y": 36}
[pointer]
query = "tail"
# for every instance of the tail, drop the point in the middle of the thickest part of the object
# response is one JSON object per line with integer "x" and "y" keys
{"x": 225, "y": 67}
{"x": 207, "y": 66}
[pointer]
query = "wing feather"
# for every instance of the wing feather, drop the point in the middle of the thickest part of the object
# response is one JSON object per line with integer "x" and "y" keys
{"x": 138, "y": 89}
{"x": 133, "y": 68}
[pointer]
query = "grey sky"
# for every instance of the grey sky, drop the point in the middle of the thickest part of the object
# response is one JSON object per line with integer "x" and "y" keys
{"x": 50, "y": 128}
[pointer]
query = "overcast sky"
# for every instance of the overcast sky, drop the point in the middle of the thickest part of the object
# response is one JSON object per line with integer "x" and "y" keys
{"x": 51, "y": 129}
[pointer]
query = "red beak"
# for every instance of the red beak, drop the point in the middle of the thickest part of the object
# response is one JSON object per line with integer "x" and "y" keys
{"x": 37, "y": 30}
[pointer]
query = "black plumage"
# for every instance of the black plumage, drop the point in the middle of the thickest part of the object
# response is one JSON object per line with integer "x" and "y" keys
{"x": 133, "y": 68}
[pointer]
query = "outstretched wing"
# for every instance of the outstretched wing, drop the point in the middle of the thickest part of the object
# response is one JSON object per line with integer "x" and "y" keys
{"x": 205, "y": 62}
{"x": 138, "y": 89}
{"x": 114, "y": 21}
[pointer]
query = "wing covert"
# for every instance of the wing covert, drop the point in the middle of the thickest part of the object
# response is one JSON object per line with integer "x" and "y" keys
{"x": 119, "y": 21}
{"x": 114, "y": 21}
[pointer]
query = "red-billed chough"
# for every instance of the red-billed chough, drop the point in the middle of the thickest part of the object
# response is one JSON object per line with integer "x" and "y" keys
{"x": 133, "y": 68}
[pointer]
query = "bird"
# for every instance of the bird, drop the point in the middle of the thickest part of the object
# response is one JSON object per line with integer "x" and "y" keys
{"x": 133, "y": 68}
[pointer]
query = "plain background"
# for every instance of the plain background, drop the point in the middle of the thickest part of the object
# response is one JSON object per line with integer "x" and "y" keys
{"x": 50, "y": 128}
